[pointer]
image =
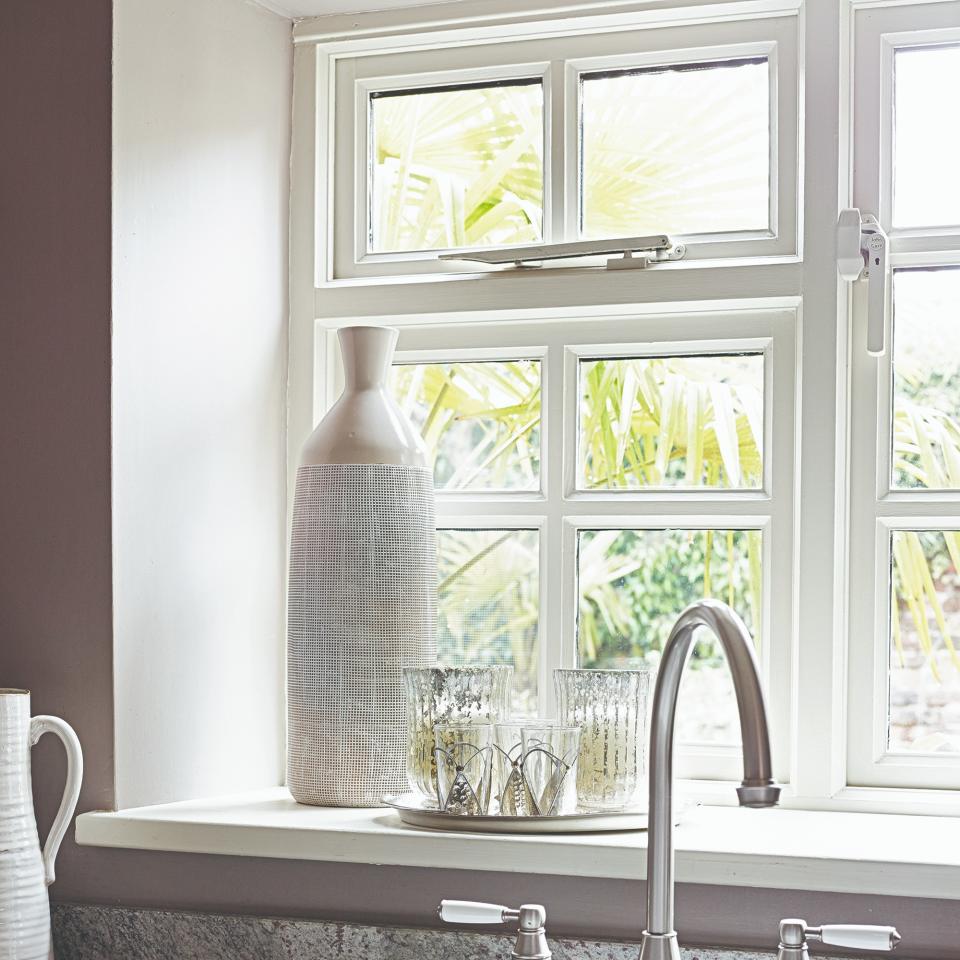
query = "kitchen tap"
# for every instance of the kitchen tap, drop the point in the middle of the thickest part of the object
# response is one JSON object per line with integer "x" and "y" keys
{"x": 757, "y": 789}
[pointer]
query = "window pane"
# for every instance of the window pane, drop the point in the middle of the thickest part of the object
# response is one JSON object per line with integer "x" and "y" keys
{"x": 489, "y": 604}
{"x": 480, "y": 421}
{"x": 671, "y": 422}
{"x": 679, "y": 150}
{"x": 633, "y": 584}
{"x": 926, "y": 379}
{"x": 924, "y": 692}
{"x": 926, "y": 140}
{"x": 456, "y": 167}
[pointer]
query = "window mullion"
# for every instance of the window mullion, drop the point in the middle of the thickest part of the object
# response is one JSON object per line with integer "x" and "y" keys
{"x": 556, "y": 169}
{"x": 818, "y": 694}
{"x": 558, "y": 578}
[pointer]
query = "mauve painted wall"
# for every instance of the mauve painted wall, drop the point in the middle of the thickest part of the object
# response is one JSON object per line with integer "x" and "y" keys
{"x": 55, "y": 576}
{"x": 55, "y": 567}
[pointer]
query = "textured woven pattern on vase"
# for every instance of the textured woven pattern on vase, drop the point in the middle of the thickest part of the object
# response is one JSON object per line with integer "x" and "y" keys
{"x": 362, "y": 606}
{"x": 24, "y": 907}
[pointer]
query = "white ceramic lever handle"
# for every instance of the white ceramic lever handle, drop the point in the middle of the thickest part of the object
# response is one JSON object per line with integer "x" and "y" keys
{"x": 859, "y": 936}
{"x": 71, "y": 790}
{"x": 469, "y": 911}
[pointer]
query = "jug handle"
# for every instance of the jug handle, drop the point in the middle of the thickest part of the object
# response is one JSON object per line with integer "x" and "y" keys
{"x": 71, "y": 791}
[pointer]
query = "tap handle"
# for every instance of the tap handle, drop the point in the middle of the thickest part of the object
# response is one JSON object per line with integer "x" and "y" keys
{"x": 469, "y": 911}
{"x": 860, "y": 936}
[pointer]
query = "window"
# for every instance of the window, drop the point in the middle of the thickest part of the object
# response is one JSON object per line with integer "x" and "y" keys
{"x": 905, "y": 524}
{"x": 590, "y": 484}
{"x": 557, "y": 138}
{"x": 610, "y": 444}
{"x": 642, "y": 172}
{"x": 456, "y": 166}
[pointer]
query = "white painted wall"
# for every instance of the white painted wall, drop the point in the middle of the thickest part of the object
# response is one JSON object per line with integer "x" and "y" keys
{"x": 201, "y": 137}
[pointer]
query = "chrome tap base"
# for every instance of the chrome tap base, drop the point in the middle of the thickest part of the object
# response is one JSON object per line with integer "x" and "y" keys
{"x": 659, "y": 946}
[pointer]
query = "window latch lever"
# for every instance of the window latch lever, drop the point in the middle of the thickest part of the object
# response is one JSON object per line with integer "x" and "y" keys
{"x": 862, "y": 254}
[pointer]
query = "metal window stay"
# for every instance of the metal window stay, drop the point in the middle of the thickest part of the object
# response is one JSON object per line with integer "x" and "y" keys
{"x": 652, "y": 249}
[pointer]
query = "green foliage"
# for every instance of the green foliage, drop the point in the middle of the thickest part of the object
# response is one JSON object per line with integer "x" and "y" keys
{"x": 479, "y": 420}
{"x": 676, "y": 151}
{"x": 457, "y": 168}
{"x": 633, "y": 583}
{"x": 489, "y": 603}
{"x": 659, "y": 421}
{"x": 672, "y": 421}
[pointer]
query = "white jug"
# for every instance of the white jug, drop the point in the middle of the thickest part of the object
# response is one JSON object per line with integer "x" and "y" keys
{"x": 25, "y": 872}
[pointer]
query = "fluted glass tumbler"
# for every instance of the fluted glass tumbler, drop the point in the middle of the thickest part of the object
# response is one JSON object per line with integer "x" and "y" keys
{"x": 610, "y": 707}
{"x": 448, "y": 695}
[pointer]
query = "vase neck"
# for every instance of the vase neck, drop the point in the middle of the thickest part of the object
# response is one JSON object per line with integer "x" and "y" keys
{"x": 14, "y": 722}
{"x": 367, "y": 353}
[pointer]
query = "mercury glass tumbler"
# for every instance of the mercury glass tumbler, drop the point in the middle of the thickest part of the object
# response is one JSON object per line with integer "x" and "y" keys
{"x": 448, "y": 695}
{"x": 610, "y": 707}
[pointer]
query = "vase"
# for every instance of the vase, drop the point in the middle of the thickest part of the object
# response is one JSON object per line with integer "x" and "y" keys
{"x": 25, "y": 871}
{"x": 362, "y": 588}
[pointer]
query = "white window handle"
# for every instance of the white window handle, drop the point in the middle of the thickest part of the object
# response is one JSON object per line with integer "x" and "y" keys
{"x": 862, "y": 252}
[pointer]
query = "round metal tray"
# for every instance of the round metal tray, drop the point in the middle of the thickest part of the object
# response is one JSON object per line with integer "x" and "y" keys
{"x": 418, "y": 812}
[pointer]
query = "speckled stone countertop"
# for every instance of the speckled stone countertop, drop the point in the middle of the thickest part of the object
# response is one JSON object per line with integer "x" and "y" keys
{"x": 83, "y": 932}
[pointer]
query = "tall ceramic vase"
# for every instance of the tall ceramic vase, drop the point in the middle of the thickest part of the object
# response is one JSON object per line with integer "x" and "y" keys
{"x": 362, "y": 588}
{"x": 25, "y": 872}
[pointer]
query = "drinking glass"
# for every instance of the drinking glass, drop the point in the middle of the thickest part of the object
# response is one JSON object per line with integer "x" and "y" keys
{"x": 610, "y": 707}
{"x": 448, "y": 695}
{"x": 550, "y": 752}
{"x": 509, "y": 785}
{"x": 462, "y": 754}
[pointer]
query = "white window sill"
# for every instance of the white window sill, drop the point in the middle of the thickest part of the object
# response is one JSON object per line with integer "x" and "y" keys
{"x": 789, "y": 849}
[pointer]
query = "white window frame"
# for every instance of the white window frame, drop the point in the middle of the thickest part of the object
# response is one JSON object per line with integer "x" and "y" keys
{"x": 877, "y": 507}
{"x": 805, "y": 282}
{"x": 347, "y": 78}
{"x": 559, "y": 511}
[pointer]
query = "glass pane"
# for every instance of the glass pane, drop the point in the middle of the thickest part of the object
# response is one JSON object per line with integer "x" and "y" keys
{"x": 679, "y": 150}
{"x": 489, "y": 604}
{"x": 456, "y": 167}
{"x": 924, "y": 692}
{"x": 633, "y": 584}
{"x": 926, "y": 379}
{"x": 926, "y": 139}
{"x": 671, "y": 422}
{"x": 480, "y": 421}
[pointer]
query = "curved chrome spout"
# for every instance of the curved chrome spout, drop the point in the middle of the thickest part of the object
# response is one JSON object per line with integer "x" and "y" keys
{"x": 757, "y": 790}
